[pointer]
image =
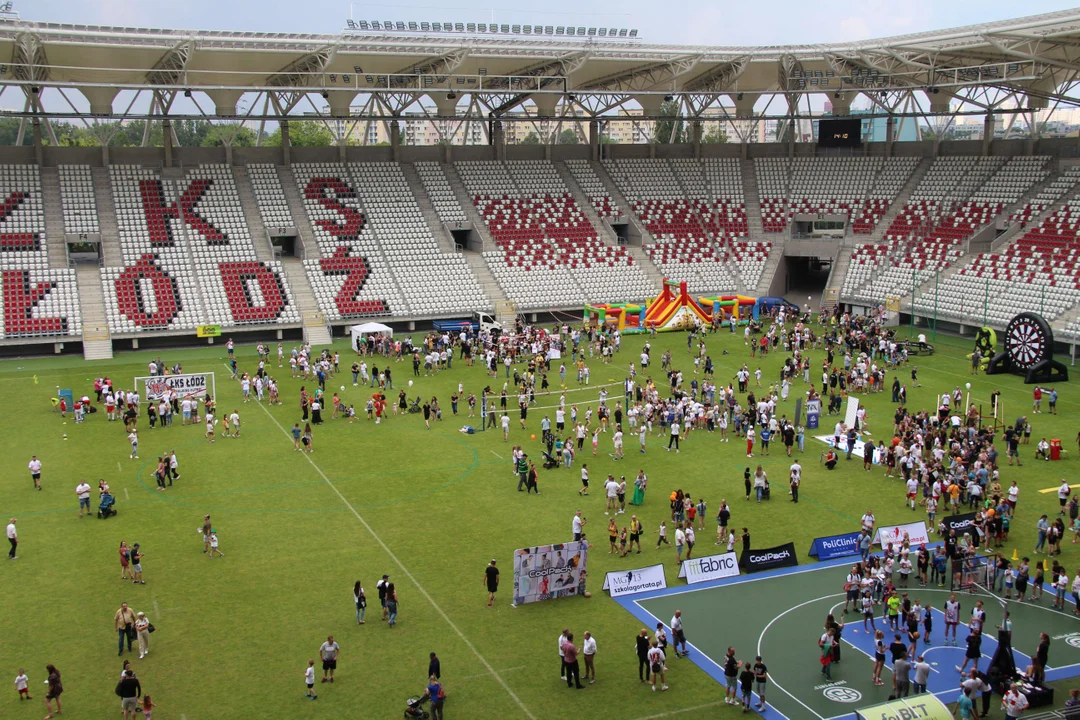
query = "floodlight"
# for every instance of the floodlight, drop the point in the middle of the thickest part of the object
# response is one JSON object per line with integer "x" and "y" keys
{"x": 400, "y": 25}
{"x": 603, "y": 32}
{"x": 325, "y": 95}
{"x": 451, "y": 96}
{"x": 504, "y": 28}
{"x": 412, "y": 25}
{"x": 187, "y": 93}
{"x": 358, "y": 70}
{"x": 471, "y": 27}
{"x": 560, "y": 30}
{"x": 669, "y": 98}
{"x": 481, "y": 27}
{"x": 633, "y": 33}
{"x": 935, "y": 91}
{"x": 548, "y": 30}
{"x": 351, "y": 23}
{"x": 592, "y": 31}
{"x": 364, "y": 25}
{"x": 375, "y": 25}
{"x": 516, "y": 29}
{"x": 836, "y": 95}
{"x": 739, "y": 96}
{"x": 527, "y": 29}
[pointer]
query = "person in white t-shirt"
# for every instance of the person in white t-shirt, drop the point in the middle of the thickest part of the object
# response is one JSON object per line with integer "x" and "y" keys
{"x": 611, "y": 489}
{"x": 83, "y": 491}
{"x": 35, "y": 471}
{"x": 234, "y": 421}
{"x": 13, "y": 538}
{"x": 210, "y": 426}
{"x": 133, "y": 437}
{"x": 577, "y": 525}
{"x": 1014, "y": 703}
{"x": 794, "y": 480}
{"x": 617, "y": 440}
{"x": 680, "y": 540}
{"x": 309, "y": 673}
{"x": 674, "y": 439}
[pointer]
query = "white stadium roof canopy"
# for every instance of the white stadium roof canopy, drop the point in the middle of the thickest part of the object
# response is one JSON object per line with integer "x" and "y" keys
{"x": 1034, "y": 60}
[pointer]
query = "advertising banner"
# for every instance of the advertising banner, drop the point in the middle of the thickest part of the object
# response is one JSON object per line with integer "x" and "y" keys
{"x": 962, "y": 524}
{"x": 813, "y": 414}
{"x": 712, "y": 567}
{"x": 769, "y": 558}
{"x": 547, "y": 572}
{"x": 923, "y": 707}
{"x": 205, "y": 331}
{"x": 827, "y": 548}
{"x": 186, "y": 386}
{"x": 629, "y": 582}
{"x": 915, "y": 532}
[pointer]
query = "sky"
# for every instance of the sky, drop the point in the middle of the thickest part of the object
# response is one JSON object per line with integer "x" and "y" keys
{"x": 779, "y": 22}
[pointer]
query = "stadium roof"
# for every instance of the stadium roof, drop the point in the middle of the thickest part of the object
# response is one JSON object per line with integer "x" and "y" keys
{"x": 1035, "y": 60}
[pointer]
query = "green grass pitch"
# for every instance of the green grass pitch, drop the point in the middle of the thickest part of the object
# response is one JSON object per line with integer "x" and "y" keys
{"x": 429, "y": 508}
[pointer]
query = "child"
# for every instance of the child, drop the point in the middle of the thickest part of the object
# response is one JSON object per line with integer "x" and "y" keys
{"x": 214, "y": 545}
{"x": 1037, "y": 585}
{"x": 879, "y": 656}
{"x": 746, "y": 681}
{"x": 746, "y": 482}
{"x": 309, "y": 678}
{"x": 663, "y": 534}
{"x": 928, "y": 623}
{"x": 868, "y": 611}
{"x": 1009, "y": 575}
{"x": 147, "y": 707}
{"x": 22, "y": 684}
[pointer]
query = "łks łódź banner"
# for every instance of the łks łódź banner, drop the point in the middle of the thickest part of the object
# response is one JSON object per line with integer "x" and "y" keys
{"x": 547, "y": 572}
{"x": 769, "y": 558}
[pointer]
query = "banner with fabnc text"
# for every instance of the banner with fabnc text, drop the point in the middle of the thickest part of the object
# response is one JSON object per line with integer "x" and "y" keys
{"x": 826, "y": 548}
{"x": 547, "y": 572}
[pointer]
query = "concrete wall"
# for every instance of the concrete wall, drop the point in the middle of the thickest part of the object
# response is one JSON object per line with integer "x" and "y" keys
{"x": 183, "y": 156}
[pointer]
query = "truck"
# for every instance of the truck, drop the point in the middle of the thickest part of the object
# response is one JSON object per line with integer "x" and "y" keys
{"x": 478, "y": 321}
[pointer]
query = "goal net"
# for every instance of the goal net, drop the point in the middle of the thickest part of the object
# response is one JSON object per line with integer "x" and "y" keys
{"x": 192, "y": 385}
{"x": 971, "y": 572}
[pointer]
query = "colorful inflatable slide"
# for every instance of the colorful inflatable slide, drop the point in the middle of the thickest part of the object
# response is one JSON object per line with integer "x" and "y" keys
{"x": 674, "y": 310}
{"x": 742, "y": 307}
{"x": 624, "y": 317}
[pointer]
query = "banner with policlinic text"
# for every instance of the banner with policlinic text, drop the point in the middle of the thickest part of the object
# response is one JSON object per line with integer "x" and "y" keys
{"x": 827, "y": 548}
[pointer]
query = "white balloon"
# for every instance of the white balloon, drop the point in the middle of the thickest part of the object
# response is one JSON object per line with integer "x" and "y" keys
{"x": 410, "y": 383}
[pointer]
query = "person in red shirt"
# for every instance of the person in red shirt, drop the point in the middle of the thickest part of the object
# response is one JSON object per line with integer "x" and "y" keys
{"x": 573, "y": 670}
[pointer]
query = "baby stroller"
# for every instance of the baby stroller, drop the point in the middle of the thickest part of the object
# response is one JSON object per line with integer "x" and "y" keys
{"x": 414, "y": 707}
{"x": 549, "y": 461}
{"x": 107, "y": 506}
{"x": 414, "y": 406}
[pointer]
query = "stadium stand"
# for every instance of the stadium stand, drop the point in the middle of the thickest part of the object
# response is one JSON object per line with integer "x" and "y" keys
{"x": 77, "y": 200}
{"x": 1037, "y": 271}
{"x": 439, "y": 191}
{"x": 432, "y": 282}
{"x": 37, "y": 301}
{"x": 594, "y": 189}
{"x": 181, "y": 236}
{"x": 681, "y": 224}
{"x": 956, "y": 197}
{"x": 548, "y": 253}
{"x": 270, "y": 196}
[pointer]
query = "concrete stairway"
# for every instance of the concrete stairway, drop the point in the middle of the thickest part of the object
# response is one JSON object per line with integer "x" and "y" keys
{"x": 656, "y": 278}
{"x": 263, "y": 249}
{"x": 54, "y": 218}
{"x": 314, "y": 320}
{"x": 487, "y": 281}
{"x": 97, "y": 342}
{"x": 465, "y": 200}
{"x": 898, "y": 203}
{"x": 110, "y": 233}
{"x": 299, "y": 213}
{"x": 838, "y": 273}
{"x": 753, "y": 202}
{"x": 434, "y": 222}
{"x": 604, "y": 231}
{"x": 776, "y": 255}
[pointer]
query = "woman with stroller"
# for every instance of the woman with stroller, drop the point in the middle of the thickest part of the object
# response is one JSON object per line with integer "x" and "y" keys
{"x": 437, "y": 695}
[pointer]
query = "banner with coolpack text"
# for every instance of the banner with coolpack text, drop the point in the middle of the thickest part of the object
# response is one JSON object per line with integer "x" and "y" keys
{"x": 711, "y": 567}
{"x": 630, "y": 582}
{"x": 834, "y": 546}
{"x": 915, "y": 533}
{"x": 769, "y": 558}
{"x": 962, "y": 524}
{"x": 547, "y": 572}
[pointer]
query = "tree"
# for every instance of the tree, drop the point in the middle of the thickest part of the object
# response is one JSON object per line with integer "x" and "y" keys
{"x": 531, "y": 139}
{"x": 568, "y": 137}
{"x": 304, "y": 133}
{"x": 240, "y": 137}
{"x": 716, "y": 136}
{"x": 669, "y": 128}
